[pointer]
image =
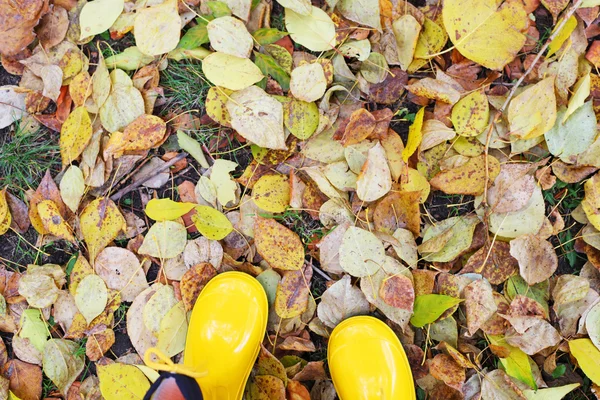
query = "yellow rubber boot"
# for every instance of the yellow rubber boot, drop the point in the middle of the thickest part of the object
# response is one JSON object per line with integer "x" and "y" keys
{"x": 367, "y": 362}
{"x": 226, "y": 328}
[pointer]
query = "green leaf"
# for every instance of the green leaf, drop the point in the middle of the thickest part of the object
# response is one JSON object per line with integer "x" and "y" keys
{"x": 193, "y": 147}
{"x": 569, "y": 139}
{"x": 555, "y": 393}
{"x": 559, "y": 371}
{"x": 266, "y": 36}
{"x": 34, "y": 328}
{"x": 517, "y": 364}
{"x": 269, "y": 66}
{"x": 429, "y": 307}
{"x": 195, "y": 36}
{"x": 218, "y": 8}
{"x": 130, "y": 59}
{"x": 588, "y": 358}
{"x": 516, "y": 285}
{"x": 211, "y": 223}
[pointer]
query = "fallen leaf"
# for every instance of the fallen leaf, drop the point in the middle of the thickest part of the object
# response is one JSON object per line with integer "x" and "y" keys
{"x": 121, "y": 270}
{"x": 315, "y": 31}
{"x": 479, "y": 303}
{"x": 118, "y": 380}
{"x": 361, "y": 253}
{"x": 567, "y": 139}
{"x": 341, "y": 301}
{"x": 533, "y": 112}
{"x": 258, "y": 117}
{"x": 444, "y": 368}
{"x": 398, "y": 291}
{"x": 25, "y": 379}
{"x": 414, "y": 135}
{"x": 471, "y": 114}
{"x": 211, "y": 223}
{"x": 406, "y": 31}
{"x": 72, "y": 187}
{"x": 91, "y": 297}
{"x": 307, "y": 82}
{"x": 375, "y": 179}
{"x": 96, "y": 17}
{"x": 173, "y": 330}
{"x": 52, "y": 221}
{"x": 167, "y": 209}
{"x": 101, "y": 221}
{"x": 536, "y": 256}
{"x": 229, "y": 35}
{"x": 429, "y": 307}
{"x": 18, "y": 21}
{"x": 165, "y": 239}
{"x": 475, "y": 35}
{"x": 231, "y": 72}
{"x": 279, "y": 246}
{"x": 586, "y": 355}
{"x": 61, "y": 364}
{"x": 469, "y": 178}
{"x": 156, "y": 29}
{"x": 193, "y": 281}
{"x": 272, "y": 193}
{"x": 291, "y": 298}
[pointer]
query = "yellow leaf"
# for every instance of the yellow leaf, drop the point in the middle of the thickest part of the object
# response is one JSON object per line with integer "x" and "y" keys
{"x": 315, "y": 31}
{"x": 279, "y": 246}
{"x": 517, "y": 363}
{"x": 5, "y": 217}
{"x": 469, "y": 178}
{"x": 415, "y": 182}
{"x": 375, "y": 179}
{"x": 97, "y": 16}
{"x": 216, "y": 98}
{"x": 231, "y": 72}
{"x": 431, "y": 40}
{"x": 173, "y": 331}
{"x": 165, "y": 239}
{"x": 308, "y": 82}
{"x": 474, "y": 27}
{"x": 581, "y": 91}
{"x": 143, "y": 133}
{"x": 167, "y": 209}
{"x": 75, "y": 134}
{"x": 81, "y": 269}
{"x": 157, "y": 28}
{"x": 52, "y": 220}
{"x": 471, "y": 114}
{"x": 554, "y": 393}
{"x": 588, "y": 358}
{"x": 414, "y": 135}
{"x": 533, "y": 112}
{"x": 220, "y": 178}
{"x": 562, "y": 36}
{"x": 406, "y": 30}
{"x": 211, "y": 223}
{"x": 91, "y": 297}
{"x": 120, "y": 381}
{"x": 101, "y": 221}
{"x": 72, "y": 187}
{"x": 229, "y": 35}
{"x": 272, "y": 193}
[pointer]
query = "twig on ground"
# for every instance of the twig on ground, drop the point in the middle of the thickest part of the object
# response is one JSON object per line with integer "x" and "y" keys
{"x": 117, "y": 196}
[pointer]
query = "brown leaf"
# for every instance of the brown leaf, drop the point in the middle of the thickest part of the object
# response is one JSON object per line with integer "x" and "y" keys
{"x": 570, "y": 173}
{"x": 193, "y": 281}
{"x": 390, "y": 90}
{"x": 265, "y": 387}
{"x": 536, "y": 256}
{"x": 444, "y": 368}
{"x": 398, "y": 291}
{"x": 555, "y": 7}
{"x": 424, "y": 281}
{"x": 25, "y": 379}
{"x": 19, "y": 213}
{"x": 360, "y": 126}
{"x": 497, "y": 325}
{"x": 537, "y": 337}
{"x": 512, "y": 189}
{"x": 499, "y": 264}
{"x": 296, "y": 391}
{"x": 468, "y": 178}
{"x": 480, "y": 304}
{"x": 47, "y": 190}
{"x": 99, "y": 343}
{"x": 17, "y": 20}
{"x": 292, "y": 294}
{"x": 314, "y": 370}
{"x": 278, "y": 245}
{"x": 398, "y": 210}
{"x": 293, "y": 343}
{"x": 545, "y": 178}
{"x": 53, "y": 27}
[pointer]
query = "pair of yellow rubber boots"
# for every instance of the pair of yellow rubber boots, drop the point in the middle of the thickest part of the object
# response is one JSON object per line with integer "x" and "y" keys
{"x": 228, "y": 322}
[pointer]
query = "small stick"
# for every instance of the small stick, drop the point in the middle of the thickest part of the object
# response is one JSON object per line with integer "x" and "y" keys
{"x": 117, "y": 196}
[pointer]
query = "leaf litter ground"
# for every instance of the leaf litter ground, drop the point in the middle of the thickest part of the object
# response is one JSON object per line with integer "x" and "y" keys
{"x": 446, "y": 372}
